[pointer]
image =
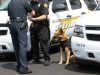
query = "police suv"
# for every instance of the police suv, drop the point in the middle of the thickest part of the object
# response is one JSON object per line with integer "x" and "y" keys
{"x": 85, "y": 41}
{"x": 62, "y": 14}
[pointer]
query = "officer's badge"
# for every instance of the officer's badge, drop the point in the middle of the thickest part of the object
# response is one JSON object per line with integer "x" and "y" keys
{"x": 38, "y": 5}
{"x": 45, "y": 5}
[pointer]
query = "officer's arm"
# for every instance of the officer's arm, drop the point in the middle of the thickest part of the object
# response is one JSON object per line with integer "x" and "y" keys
{"x": 42, "y": 17}
{"x": 44, "y": 11}
{"x": 32, "y": 13}
{"x": 29, "y": 9}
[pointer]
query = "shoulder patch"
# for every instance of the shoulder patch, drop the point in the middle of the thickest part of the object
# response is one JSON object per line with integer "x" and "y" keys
{"x": 45, "y": 5}
{"x": 28, "y": 2}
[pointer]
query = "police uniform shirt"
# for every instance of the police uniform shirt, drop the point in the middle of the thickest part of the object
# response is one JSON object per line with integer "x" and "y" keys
{"x": 19, "y": 8}
{"x": 44, "y": 8}
{"x": 34, "y": 6}
{"x": 41, "y": 7}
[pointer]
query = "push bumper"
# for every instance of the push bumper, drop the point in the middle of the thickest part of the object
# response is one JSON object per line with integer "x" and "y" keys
{"x": 86, "y": 49}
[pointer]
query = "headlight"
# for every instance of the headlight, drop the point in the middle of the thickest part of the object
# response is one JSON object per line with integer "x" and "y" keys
{"x": 78, "y": 31}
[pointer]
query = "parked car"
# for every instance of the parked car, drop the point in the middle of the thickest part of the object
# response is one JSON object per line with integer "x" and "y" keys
{"x": 85, "y": 41}
{"x": 62, "y": 14}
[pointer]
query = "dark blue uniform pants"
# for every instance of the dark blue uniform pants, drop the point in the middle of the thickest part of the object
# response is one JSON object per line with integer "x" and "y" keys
{"x": 40, "y": 35}
{"x": 19, "y": 39}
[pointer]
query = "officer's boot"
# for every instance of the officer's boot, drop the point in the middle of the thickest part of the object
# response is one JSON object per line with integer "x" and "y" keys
{"x": 47, "y": 63}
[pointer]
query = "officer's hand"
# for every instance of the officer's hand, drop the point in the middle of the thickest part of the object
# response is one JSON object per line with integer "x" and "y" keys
{"x": 31, "y": 18}
{"x": 29, "y": 15}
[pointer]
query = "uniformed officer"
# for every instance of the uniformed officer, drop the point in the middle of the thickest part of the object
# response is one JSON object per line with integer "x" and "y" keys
{"x": 40, "y": 29}
{"x": 17, "y": 11}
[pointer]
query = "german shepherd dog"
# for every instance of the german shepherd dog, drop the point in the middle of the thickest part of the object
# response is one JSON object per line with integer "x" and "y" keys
{"x": 65, "y": 48}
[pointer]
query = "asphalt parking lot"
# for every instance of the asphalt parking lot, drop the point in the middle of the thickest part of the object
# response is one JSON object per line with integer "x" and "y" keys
{"x": 8, "y": 66}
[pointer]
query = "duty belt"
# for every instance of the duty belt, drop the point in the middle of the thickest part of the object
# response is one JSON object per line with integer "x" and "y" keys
{"x": 17, "y": 19}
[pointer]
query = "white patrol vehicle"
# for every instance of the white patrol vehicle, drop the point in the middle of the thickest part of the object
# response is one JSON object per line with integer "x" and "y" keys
{"x": 62, "y": 14}
{"x": 85, "y": 41}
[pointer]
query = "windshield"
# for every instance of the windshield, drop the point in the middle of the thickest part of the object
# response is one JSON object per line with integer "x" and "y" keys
{"x": 97, "y": 8}
{"x": 4, "y": 6}
{"x": 87, "y": 2}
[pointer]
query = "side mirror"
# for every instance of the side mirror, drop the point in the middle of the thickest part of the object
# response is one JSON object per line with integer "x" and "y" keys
{"x": 59, "y": 7}
{"x": 92, "y": 6}
{"x": 49, "y": 0}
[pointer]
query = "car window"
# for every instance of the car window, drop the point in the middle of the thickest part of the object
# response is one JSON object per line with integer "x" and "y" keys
{"x": 97, "y": 8}
{"x": 87, "y": 2}
{"x": 59, "y": 5}
{"x": 75, "y": 4}
{"x": 4, "y": 6}
{"x": 92, "y": 1}
{"x": 91, "y": 4}
{"x": 98, "y": 1}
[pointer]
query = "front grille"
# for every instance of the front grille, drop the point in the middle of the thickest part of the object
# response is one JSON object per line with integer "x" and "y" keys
{"x": 92, "y": 28}
{"x": 3, "y": 32}
{"x": 3, "y": 25}
{"x": 94, "y": 37}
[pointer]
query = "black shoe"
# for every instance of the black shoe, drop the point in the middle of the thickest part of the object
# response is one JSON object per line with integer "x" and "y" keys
{"x": 24, "y": 71}
{"x": 17, "y": 70}
{"x": 41, "y": 57}
{"x": 37, "y": 61}
{"x": 47, "y": 63}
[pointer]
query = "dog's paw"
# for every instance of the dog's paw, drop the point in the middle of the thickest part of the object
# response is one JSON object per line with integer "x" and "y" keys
{"x": 66, "y": 63}
{"x": 60, "y": 63}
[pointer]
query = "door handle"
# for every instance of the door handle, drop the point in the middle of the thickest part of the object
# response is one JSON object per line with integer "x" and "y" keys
{"x": 83, "y": 13}
{"x": 69, "y": 16}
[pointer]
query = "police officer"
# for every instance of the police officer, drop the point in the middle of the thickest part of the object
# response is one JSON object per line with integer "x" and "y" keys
{"x": 17, "y": 11}
{"x": 40, "y": 29}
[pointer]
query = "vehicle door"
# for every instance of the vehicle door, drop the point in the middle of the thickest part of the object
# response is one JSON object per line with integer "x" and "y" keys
{"x": 62, "y": 12}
